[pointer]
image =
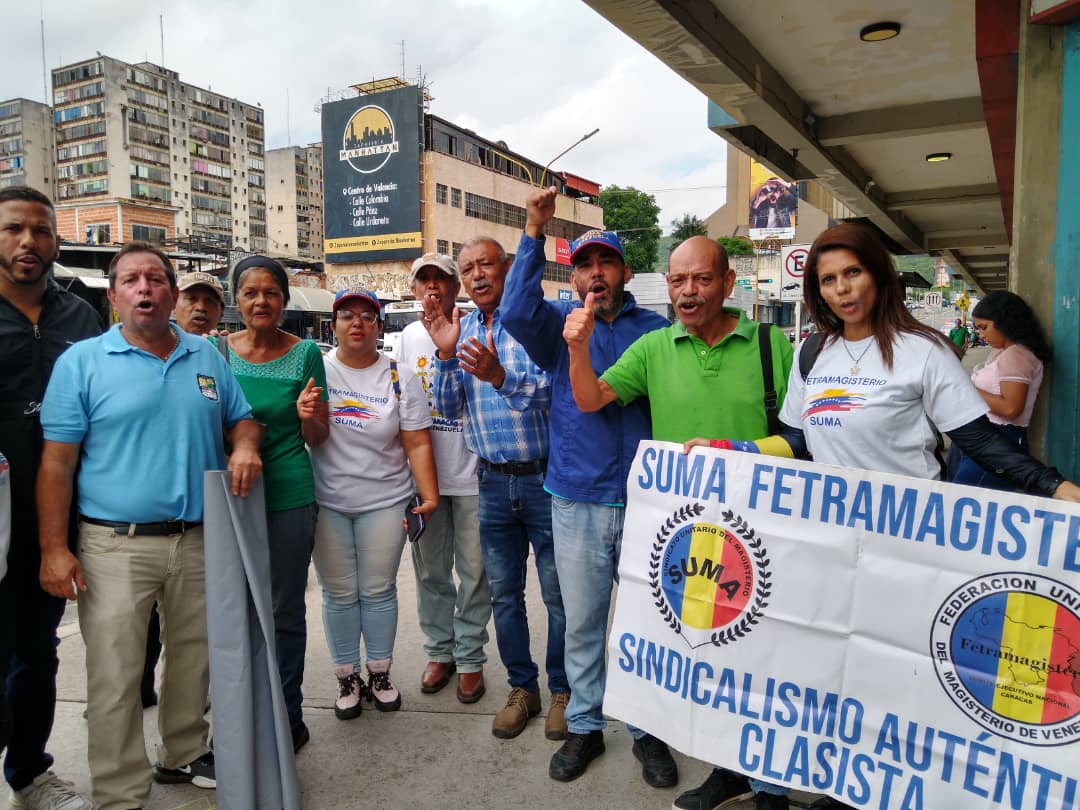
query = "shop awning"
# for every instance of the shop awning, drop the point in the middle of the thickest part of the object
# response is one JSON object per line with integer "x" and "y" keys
{"x": 310, "y": 299}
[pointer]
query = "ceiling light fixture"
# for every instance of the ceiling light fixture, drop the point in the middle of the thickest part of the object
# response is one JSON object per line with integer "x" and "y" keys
{"x": 879, "y": 32}
{"x": 938, "y": 157}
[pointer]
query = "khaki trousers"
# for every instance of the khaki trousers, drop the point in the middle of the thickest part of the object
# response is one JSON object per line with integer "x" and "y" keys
{"x": 124, "y": 576}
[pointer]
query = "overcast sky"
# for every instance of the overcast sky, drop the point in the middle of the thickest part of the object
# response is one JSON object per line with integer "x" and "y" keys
{"x": 537, "y": 74}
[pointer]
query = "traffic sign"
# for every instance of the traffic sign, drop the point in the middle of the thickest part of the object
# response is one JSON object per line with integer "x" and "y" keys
{"x": 793, "y": 257}
{"x": 932, "y": 299}
{"x": 963, "y": 302}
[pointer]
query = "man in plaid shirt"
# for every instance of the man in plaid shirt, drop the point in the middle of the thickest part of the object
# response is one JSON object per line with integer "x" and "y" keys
{"x": 485, "y": 378}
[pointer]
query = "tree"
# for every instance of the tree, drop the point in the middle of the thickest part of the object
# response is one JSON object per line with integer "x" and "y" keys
{"x": 635, "y": 216}
{"x": 736, "y": 245}
{"x": 685, "y": 227}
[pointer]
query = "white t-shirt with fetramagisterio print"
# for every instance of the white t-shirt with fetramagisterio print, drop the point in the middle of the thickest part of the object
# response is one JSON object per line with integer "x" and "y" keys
{"x": 363, "y": 466}
{"x": 878, "y": 418}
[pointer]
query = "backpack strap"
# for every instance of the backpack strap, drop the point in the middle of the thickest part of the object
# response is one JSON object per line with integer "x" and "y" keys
{"x": 395, "y": 379}
{"x": 772, "y": 413}
{"x": 223, "y": 346}
{"x": 808, "y": 353}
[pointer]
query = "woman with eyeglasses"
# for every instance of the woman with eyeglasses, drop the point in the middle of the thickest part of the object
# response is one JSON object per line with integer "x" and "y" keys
{"x": 282, "y": 377}
{"x": 1008, "y": 381}
{"x": 364, "y": 482}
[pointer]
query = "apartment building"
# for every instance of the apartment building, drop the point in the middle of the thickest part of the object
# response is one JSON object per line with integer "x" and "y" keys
{"x": 27, "y": 145}
{"x": 142, "y": 154}
{"x": 294, "y": 201}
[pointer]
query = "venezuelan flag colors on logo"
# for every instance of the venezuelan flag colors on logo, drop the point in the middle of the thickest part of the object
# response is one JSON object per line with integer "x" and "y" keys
{"x": 1007, "y": 649}
{"x": 708, "y": 576}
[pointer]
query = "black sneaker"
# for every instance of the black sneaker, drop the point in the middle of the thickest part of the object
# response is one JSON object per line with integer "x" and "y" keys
{"x": 300, "y": 736}
{"x": 657, "y": 766}
{"x": 574, "y": 756}
{"x": 199, "y": 772}
{"x": 721, "y": 789}
{"x": 770, "y": 801}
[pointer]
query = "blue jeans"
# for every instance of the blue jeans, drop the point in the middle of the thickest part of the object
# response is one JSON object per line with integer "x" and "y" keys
{"x": 514, "y": 512}
{"x": 291, "y": 535}
{"x": 588, "y": 538}
{"x": 28, "y": 663}
{"x": 453, "y": 619}
{"x": 357, "y": 557}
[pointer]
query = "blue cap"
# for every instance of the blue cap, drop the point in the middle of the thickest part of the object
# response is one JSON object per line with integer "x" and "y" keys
{"x": 358, "y": 294}
{"x": 608, "y": 239}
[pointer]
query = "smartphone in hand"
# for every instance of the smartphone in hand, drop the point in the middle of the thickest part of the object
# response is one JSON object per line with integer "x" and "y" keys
{"x": 414, "y": 523}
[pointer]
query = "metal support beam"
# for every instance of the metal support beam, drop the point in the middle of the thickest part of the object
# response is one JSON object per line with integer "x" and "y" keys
{"x": 953, "y": 195}
{"x": 953, "y": 115}
{"x": 944, "y": 242}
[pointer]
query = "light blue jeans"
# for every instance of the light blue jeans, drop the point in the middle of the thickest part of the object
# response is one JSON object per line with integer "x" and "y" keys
{"x": 588, "y": 539}
{"x": 453, "y": 619}
{"x": 356, "y": 557}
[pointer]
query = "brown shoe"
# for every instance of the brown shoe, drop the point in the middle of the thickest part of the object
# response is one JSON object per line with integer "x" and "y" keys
{"x": 470, "y": 686}
{"x": 555, "y": 725}
{"x": 511, "y": 718}
{"x": 436, "y": 676}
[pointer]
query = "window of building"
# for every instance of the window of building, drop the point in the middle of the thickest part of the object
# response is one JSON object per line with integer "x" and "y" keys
{"x": 148, "y": 233}
{"x": 98, "y": 234}
{"x": 440, "y": 193}
{"x": 442, "y": 246}
{"x": 456, "y": 251}
{"x": 455, "y": 198}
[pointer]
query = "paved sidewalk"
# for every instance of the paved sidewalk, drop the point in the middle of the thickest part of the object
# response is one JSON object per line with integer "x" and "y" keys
{"x": 434, "y": 753}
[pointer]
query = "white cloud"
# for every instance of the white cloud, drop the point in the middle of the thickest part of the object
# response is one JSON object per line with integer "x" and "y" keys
{"x": 536, "y": 73}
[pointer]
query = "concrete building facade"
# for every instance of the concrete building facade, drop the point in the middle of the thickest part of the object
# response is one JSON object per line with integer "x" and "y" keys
{"x": 294, "y": 201}
{"x": 27, "y": 145}
{"x": 135, "y": 136}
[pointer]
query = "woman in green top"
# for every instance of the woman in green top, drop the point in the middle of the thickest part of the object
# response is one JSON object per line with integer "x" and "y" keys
{"x": 284, "y": 380}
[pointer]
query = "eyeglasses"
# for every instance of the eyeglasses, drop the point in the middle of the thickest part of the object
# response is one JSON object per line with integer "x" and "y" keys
{"x": 345, "y": 316}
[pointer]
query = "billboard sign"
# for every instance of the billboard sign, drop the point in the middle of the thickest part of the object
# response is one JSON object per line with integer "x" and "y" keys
{"x": 562, "y": 251}
{"x": 371, "y": 164}
{"x": 774, "y": 204}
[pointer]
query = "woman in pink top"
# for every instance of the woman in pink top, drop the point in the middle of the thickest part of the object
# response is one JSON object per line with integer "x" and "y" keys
{"x": 1009, "y": 380}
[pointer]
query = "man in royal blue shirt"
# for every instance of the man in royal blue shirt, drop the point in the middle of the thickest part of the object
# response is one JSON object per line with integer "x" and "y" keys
{"x": 588, "y": 489}
{"x": 488, "y": 381}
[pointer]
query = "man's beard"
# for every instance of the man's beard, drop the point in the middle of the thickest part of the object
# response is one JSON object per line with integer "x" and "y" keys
{"x": 22, "y": 280}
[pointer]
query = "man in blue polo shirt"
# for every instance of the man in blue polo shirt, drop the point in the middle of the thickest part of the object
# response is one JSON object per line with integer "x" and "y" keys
{"x": 588, "y": 489}
{"x": 139, "y": 413}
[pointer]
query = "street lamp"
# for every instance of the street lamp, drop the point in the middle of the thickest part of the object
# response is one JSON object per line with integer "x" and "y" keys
{"x": 580, "y": 140}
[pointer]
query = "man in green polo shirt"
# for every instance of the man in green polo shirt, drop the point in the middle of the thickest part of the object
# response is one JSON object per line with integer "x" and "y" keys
{"x": 703, "y": 377}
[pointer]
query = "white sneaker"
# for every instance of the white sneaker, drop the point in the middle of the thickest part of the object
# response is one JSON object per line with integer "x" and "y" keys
{"x": 50, "y": 792}
{"x": 382, "y": 689}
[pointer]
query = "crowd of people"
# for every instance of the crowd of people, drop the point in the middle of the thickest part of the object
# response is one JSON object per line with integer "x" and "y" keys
{"x": 466, "y": 447}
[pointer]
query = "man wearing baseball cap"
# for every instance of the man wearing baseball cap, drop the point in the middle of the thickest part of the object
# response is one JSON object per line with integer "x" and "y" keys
{"x": 453, "y": 619}
{"x": 588, "y": 489}
{"x": 201, "y": 303}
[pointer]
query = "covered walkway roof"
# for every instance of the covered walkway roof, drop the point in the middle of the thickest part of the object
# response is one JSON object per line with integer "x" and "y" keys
{"x": 793, "y": 85}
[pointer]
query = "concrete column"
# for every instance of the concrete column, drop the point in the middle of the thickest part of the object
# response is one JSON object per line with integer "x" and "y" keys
{"x": 1063, "y": 425}
{"x": 1033, "y": 256}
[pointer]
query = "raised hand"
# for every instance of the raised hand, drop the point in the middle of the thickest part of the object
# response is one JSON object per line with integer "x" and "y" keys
{"x": 482, "y": 360}
{"x": 578, "y": 326}
{"x": 539, "y": 209}
{"x": 445, "y": 331}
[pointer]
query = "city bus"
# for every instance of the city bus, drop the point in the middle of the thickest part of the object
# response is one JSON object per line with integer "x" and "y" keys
{"x": 399, "y": 314}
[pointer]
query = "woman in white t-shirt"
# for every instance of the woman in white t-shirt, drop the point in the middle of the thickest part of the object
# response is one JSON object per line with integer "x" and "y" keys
{"x": 364, "y": 481}
{"x": 883, "y": 384}
{"x": 1008, "y": 381}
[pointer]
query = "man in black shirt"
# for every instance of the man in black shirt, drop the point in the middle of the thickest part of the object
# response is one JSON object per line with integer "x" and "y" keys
{"x": 38, "y": 321}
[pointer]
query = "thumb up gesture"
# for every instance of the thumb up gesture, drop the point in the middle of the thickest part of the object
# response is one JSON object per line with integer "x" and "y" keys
{"x": 578, "y": 327}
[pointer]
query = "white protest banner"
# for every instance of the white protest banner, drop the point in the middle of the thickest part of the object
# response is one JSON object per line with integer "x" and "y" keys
{"x": 889, "y": 641}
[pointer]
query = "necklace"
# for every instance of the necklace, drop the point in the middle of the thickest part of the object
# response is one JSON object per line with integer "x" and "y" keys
{"x": 175, "y": 343}
{"x": 855, "y": 362}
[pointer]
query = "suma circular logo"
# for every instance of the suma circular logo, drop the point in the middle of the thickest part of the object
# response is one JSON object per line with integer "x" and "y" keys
{"x": 368, "y": 140}
{"x": 710, "y": 583}
{"x": 1006, "y": 648}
